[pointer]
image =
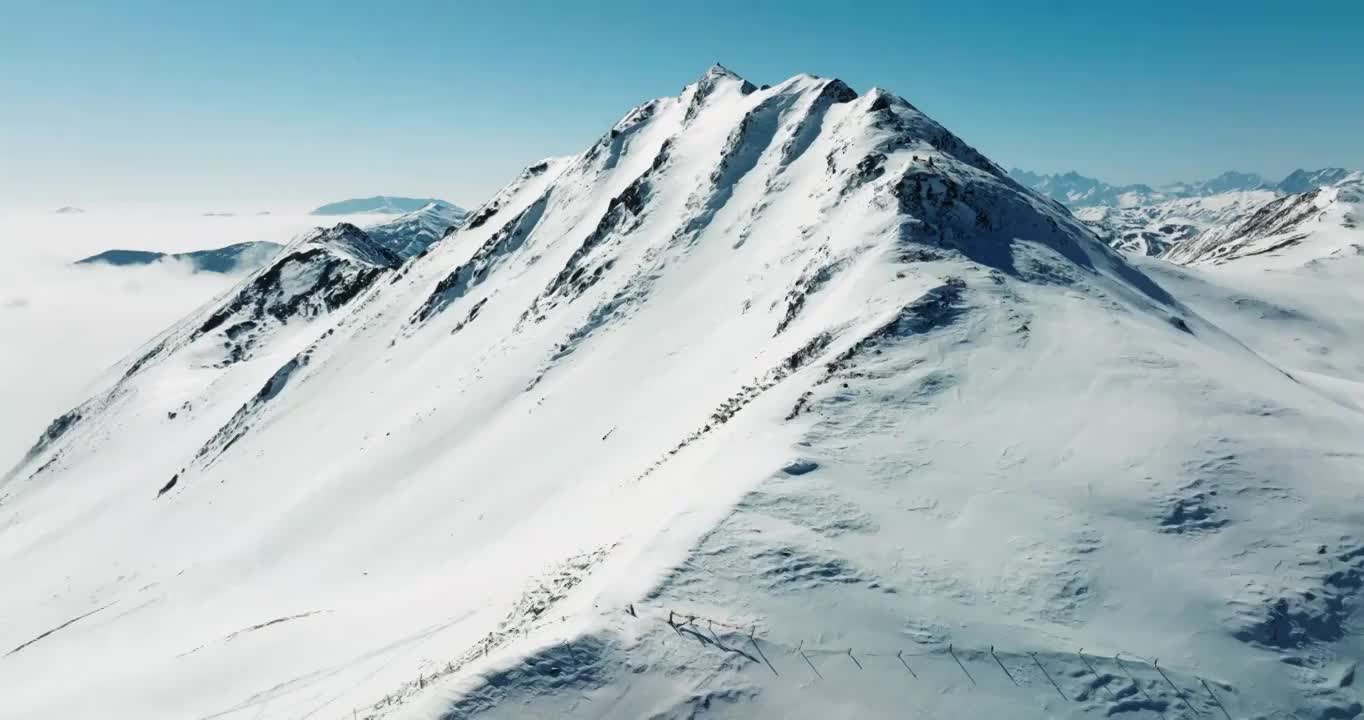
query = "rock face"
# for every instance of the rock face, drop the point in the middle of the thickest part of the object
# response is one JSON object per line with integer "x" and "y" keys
{"x": 240, "y": 257}
{"x": 382, "y": 204}
{"x": 776, "y": 401}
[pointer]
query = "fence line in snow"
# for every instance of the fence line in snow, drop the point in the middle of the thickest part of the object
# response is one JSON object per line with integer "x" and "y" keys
{"x": 694, "y": 624}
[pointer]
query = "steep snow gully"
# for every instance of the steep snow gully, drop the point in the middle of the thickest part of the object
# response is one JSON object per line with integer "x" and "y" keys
{"x": 775, "y": 402}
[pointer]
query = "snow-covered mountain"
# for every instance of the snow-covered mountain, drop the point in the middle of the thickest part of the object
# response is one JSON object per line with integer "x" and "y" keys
{"x": 1228, "y": 182}
{"x": 1076, "y": 190}
{"x": 1300, "y": 181}
{"x": 380, "y": 204}
{"x": 1295, "y": 228}
{"x": 778, "y": 402}
{"x": 1155, "y": 224}
{"x": 69, "y": 210}
{"x": 411, "y": 233}
{"x": 238, "y": 257}
{"x": 405, "y": 235}
{"x": 1153, "y": 229}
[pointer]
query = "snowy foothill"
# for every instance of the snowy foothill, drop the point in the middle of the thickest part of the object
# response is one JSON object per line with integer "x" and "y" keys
{"x": 777, "y": 401}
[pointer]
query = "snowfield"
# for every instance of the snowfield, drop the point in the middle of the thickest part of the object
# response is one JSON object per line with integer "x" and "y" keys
{"x": 777, "y": 402}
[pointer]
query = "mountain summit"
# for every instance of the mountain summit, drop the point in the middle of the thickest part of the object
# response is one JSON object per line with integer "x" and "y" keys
{"x": 773, "y": 402}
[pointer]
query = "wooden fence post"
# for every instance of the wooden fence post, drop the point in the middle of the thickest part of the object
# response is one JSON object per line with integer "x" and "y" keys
{"x": 1081, "y": 655}
{"x": 1180, "y": 693}
{"x": 1213, "y": 695}
{"x": 1048, "y": 676}
{"x": 963, "y": 667}
{"x": 1001, "y": 665}
{"x": 901, "y": 655}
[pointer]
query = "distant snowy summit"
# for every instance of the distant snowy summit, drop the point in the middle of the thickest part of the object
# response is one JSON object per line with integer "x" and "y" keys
{"x": 1300, "y": 181}
{"x": 382, "y": 204}
{"x": 69, "y": 210}
{"x": 241, "y": 257}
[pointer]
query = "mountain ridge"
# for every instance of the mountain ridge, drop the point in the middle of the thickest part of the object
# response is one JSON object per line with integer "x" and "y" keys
{"x": 1076, "y": 190}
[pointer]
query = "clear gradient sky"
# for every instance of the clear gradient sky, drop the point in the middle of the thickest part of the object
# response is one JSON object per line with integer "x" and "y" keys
{"x": 265, "y": 105}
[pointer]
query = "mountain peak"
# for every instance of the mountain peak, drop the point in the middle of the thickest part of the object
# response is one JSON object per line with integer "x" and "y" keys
{"x": 719, "y": 71}
{"x": 717, "y": 75}
{"x": 352, "y": 243}
{"x": 1303, "y": 180}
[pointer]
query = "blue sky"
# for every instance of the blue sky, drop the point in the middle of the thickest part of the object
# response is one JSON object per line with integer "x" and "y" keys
{"x": 252, "y": 105}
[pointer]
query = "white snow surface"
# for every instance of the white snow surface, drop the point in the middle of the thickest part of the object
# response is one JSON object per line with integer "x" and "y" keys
{"x": 795, "y": 361}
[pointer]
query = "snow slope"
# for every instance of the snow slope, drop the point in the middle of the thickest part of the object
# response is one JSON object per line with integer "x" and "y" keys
{"x": 795, "y": 368}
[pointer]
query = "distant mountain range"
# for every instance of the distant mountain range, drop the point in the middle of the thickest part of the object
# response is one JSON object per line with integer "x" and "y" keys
{"x": 1076, "y": 190}
{"x": 68, "y": 210}
{"x": 230, "y": 259}
{"x": 382, "y": 204}
{"x": 1231, "y": 216}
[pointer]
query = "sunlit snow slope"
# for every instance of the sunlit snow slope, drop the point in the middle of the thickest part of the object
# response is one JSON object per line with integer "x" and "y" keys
{"x": 793, "y": 360}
